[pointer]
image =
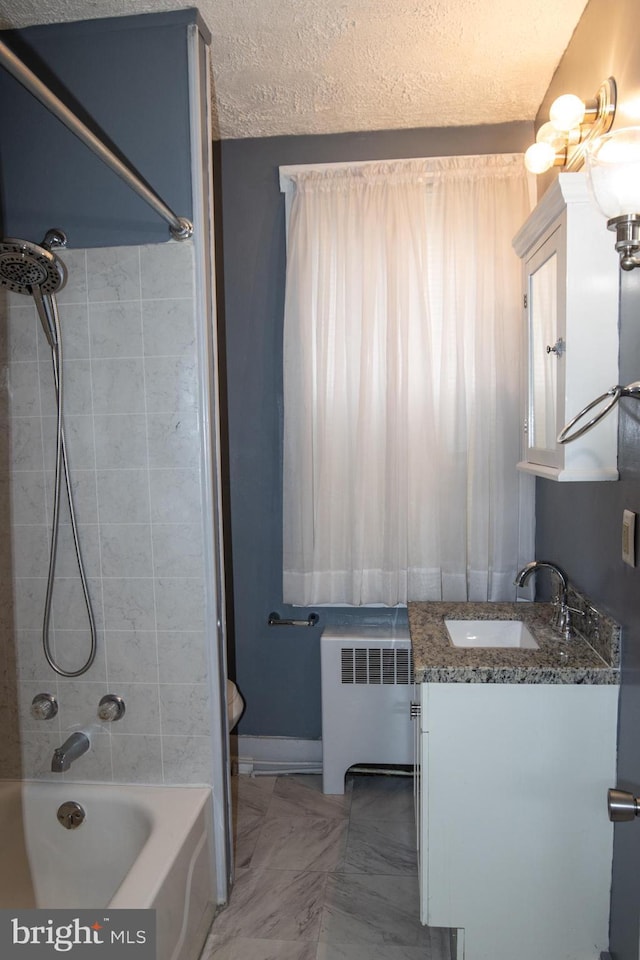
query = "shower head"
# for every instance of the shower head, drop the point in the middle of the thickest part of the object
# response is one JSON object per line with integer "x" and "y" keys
{"x": 34, "y": 270}
{"x": 25, "y": 267}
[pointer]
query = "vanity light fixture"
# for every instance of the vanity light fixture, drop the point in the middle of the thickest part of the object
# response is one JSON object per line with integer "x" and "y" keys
{"x": 613, "y": 168}
{"x": 573, "y": 124}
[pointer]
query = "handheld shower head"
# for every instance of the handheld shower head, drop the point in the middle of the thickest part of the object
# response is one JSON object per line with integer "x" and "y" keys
{"x": 35, "y": 271}
{"x": 25, "y": 266}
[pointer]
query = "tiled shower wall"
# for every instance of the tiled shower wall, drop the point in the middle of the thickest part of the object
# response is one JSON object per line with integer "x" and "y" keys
{"x": 133, "y": 431}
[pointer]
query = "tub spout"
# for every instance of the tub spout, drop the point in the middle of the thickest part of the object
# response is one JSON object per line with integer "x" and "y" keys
{"x": 73, "y": 747}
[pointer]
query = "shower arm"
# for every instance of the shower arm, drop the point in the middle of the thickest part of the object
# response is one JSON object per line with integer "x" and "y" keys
{"x": 180, "y": 227}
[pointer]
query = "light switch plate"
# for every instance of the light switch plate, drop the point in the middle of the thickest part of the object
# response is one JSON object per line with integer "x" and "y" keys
{"x": 629, "y": 537}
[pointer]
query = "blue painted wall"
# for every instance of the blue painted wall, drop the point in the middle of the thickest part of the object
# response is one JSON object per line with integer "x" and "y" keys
{"x": 278, "y": 668}
{"x": 580, "y": 525}
{"x": 127, "y": 78}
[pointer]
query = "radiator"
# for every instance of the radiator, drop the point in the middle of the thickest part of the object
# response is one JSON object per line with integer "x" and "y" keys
{"x": 367, "y": 685}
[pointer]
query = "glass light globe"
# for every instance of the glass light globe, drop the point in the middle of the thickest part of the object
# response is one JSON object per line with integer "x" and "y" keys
{"x": 539, "y": 157}
{"x": 613, "y": 167}
{"x": 567, "y": 112}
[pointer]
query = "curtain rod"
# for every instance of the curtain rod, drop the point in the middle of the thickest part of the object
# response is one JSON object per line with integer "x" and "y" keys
{"x": 180, "y": 227}
{"x": 288, "y": 173}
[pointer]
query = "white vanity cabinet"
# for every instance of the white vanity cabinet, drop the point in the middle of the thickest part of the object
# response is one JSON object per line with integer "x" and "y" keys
{"x": 570, "y": 305}
{"x": 515, "y": 842}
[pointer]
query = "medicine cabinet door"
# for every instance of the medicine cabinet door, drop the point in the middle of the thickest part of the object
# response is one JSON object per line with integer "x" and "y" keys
{"x": 544, "y": 300}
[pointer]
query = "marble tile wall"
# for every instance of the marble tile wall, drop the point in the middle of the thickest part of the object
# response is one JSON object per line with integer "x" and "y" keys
{"x": 133, "y": 430}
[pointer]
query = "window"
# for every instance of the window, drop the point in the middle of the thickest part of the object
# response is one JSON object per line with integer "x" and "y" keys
{"x": 402, "y": 362}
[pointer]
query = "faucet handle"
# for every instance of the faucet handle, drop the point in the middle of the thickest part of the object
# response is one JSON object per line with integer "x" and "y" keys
{"x": 44, "y": 706}
{"x": 111, "y": 708}
{"x": 564, "y": 623}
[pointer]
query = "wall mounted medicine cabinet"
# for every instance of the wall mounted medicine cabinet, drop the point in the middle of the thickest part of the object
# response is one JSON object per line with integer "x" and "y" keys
{"x": 570, "y": 279}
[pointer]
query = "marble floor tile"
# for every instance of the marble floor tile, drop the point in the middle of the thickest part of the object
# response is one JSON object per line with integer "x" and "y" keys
{"x": 273, "y": 905}
{"x": 241, "y": 948}
{"x": 365, "y": 909}
{"x": 438, "y": 949}
{"x": 298, "y": 796}
{"x": 324, "y": 877}
{"x": 384, "y": 847}
{"x": 251, "y": 795}
{"x": 246, "y": 830}
{"x": 301, "y": 843}
{"x": 439, "y": 943}
{"x": 382, "y": 798}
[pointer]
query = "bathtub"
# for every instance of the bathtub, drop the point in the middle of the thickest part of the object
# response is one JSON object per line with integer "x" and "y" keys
{"x": 144, "y": 847}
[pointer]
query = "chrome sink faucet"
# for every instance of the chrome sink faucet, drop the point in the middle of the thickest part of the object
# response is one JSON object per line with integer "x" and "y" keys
{"x": 73, "y": 747}
{"x": 563, "y": 614}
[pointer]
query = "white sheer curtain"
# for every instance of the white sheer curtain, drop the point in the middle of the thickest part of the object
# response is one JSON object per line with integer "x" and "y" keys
{"x": 402, "y": 364}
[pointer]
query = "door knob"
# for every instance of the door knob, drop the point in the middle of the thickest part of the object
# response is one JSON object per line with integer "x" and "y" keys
{"x": 622, "y": 805}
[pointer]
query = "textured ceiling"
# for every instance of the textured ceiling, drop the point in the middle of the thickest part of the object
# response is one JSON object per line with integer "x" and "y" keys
{"x": 328, "y": 66}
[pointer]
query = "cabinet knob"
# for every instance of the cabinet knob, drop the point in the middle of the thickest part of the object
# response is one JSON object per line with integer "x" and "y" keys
{"x": 558, "y": 348}
{"x": 414, "y": 709}
{"x": 622, "y": 805}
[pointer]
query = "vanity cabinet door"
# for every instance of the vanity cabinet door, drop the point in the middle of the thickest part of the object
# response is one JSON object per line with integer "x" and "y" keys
{"x": 417, "y": 786}
{"x": 516, "y": 843}
{"x": 420, "y": 798}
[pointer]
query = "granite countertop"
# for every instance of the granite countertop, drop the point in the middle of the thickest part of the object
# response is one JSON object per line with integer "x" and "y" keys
{"x": 436, "y": 660}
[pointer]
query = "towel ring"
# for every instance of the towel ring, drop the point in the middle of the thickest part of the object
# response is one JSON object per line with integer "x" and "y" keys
{"x": 615, "y": 393}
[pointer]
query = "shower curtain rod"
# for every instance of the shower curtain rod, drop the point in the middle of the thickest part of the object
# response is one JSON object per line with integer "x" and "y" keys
{"x": 180, "y": 227}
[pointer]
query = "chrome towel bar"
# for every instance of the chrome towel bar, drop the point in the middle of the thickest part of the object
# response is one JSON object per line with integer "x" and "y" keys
{"x": 276, "y": 621}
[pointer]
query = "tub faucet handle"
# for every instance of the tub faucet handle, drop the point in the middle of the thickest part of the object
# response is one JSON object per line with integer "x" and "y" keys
{"x": 44, "y": 706}
{"x": 111, "y": 708}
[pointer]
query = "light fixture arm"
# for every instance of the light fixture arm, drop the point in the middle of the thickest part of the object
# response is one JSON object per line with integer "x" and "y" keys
{"x": 627, "y": 230}
{"x": 598, "y": 120}
{"x": 592, "y": 108}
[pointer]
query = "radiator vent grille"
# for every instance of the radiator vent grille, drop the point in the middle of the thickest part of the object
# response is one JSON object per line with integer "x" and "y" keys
{"x": 376, "y": 665}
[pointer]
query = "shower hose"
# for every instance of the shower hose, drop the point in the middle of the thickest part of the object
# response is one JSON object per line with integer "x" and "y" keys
{"x": 48, "y": 311}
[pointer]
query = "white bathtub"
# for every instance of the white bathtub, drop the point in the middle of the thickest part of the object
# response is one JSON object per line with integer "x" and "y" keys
{"x": 145, "y": 847}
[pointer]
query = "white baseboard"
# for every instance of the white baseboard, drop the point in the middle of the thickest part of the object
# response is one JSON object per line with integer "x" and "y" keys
{"x": 263, "y": 755}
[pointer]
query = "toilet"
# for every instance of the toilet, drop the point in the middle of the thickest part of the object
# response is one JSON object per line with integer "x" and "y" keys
{"x": 235, "y": 704}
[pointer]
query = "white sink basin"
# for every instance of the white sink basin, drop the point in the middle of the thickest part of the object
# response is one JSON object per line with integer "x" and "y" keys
{"x": 490, "y": 633}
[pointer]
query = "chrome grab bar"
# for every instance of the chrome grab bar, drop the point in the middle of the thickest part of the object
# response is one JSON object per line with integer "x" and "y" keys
{"x": 615, "y": 393}
{"x": 181, "y": 228}
{"x": 276, "y": 621}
